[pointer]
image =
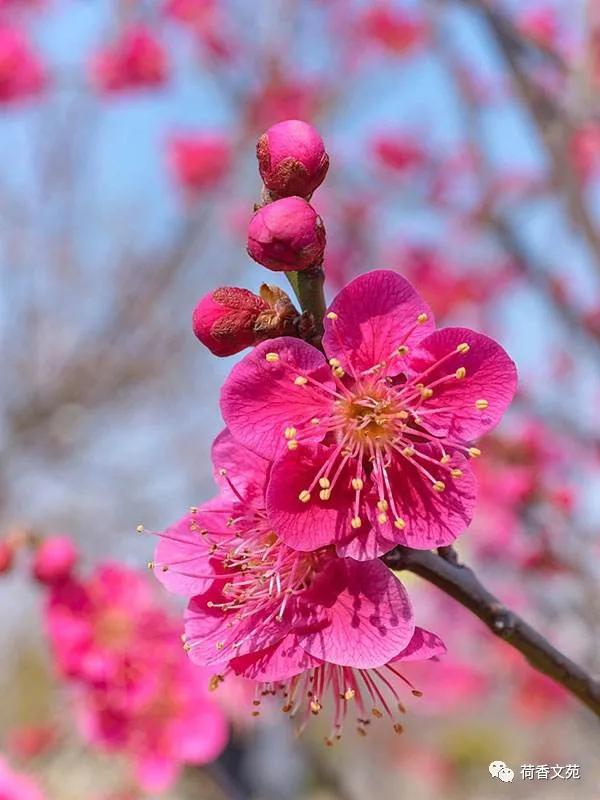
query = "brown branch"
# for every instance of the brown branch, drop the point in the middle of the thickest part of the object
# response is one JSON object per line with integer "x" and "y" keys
{"x": 460, "y": 582}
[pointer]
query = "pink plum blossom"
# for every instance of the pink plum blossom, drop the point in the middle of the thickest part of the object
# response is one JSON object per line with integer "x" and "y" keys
{"x": 267, "y": 612}
{"x": 136, "y": 60}
{"x": 200, "y": 161}
{"x": 371, "y": 441}
{"x": 54, "y": 559}
{"x": 292, "y": 159}
{"x": 14, "y": 786}
{"x": 22, "y": 73}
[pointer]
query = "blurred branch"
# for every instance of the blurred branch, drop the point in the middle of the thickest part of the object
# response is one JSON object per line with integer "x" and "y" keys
{"x": 460, "y": 582}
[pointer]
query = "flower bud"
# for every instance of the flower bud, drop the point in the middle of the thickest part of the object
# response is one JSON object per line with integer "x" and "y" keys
{"x": 292, "y": 159}
{"x": 225, "y": 319}
{"x": 54, "y": 560}
{"x": 286, "y": 235}
{"x": 7, "y": 553}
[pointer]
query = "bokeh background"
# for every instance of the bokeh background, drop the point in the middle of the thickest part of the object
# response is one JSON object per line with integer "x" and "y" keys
{"x": 464, "y": 139}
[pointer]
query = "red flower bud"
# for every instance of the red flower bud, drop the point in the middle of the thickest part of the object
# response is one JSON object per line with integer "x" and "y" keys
{"x": 286, "y": 235}
{"x": 54, "y": 560}
{"x": 224, "y": 320}
{"x": 7, "y": 553}
{"x": 292, "y": 159}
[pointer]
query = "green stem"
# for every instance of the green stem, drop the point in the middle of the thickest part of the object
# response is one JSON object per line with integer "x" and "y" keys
{"x": 308, "y": 288}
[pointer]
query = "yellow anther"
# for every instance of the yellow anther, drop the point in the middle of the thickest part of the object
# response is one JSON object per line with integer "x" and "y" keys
{"x": 460, "y": 373}
{"x": 456, "y": 473}
{"x": 439, "y": 486}
{"x": 399, "y": 523}
{"x": 187, "y": 647}
{"x": 272, "y": 357}
{"x": 403, "y": 415}
{"x": 356, "y": 522}
{"x": 325, "y": 494}
{"x": 222, "y": 472}
{"x": 474, "y": 452}
{"x": 481, "y": 404}
{"x": 398, "y": 728}
{"x": 214, "y": 682}
{"x": 290, "y": 433}
{"x": 292, "y": 444}
{"x": 402, "y": 350}
{"x": 357, "y": 484}
{"x": 193, "y": 509}
{"x": 349, "y": 694}
{"x": 315, "y": 706}
{"x": 304, "y": 496}
{"x": 324, "y": 483}
{"x": 422, "y": 318}
{"x": 376, "y": 713}
{"x": 426, "y": 393}
{"x": 315, "y": 421}
{"x": 140, "y": 529}
{"x": 150, "y": 565}
{"x": 332, "y": 315}
{"x": 408, "y": 452}
{"x": 382, "y": 505}
{"x": 445, "y": 459}
{"x": 382, "y": 518}
{"x": 338, "y": 372}
{"x": 300, "y": 380}
{"x": 463, "y": 347}
{"x": 334, "y": 362}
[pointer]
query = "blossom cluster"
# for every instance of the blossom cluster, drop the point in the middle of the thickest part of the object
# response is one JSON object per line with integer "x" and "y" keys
{"x": 345, "y": 438}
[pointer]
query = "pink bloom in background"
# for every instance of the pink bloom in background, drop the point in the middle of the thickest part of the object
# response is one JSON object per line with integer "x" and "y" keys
{"x": 7, "y": 555}
{"x": 392, "y": 28}
{"x": 267, "y": 612}
{"x": 292, "y": 159}
{"x": 14, "y": 786}
{"x": 370, "y": 442}
{"x": 190, "y": 12}
{"x": 136, "y": 60}
{"x": 286, "y": 235}
{"x": 585, "y": 150}
{"x": 540, "y": 24}
{"x": 399, "y": 152}
{"x": 137, "y": 691}
{"x": 198, "y": 162}
{"x": 22, "y": 73}
{"x": 54, "y": 560}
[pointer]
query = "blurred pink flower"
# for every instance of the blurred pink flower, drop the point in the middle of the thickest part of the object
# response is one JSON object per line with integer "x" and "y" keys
{"x": 22, "y": 73}
{"x": 54, "y": 559}
{"x": 540, "y": 24}
{"x": 391, "y": 27}
{"x": 135, "y": 60}
{"x": 398, "y": 152}
{"x": 371, "y": 445}
{"x": 198, "y": 162}
{"x": 15, "y": 786}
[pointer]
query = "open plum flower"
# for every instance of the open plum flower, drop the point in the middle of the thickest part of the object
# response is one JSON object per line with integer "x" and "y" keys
{"x": 267, "y": 612}
{"x": 371, "y": 441}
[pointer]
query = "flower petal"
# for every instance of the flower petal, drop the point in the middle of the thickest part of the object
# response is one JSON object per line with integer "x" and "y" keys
{"x": 376, "y": 313}
{"x": 359, "y": 614}
{"x": 246, "y": 470}
{"x": 432, "y": 519}
{"x": 490, "y": 381}
{"x": 423, "y": 645}
{"x": 260, "y": 399}
{"x": 277, "y": 663}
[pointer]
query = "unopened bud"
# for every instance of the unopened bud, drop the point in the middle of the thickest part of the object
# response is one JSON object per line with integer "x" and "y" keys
{"x": 292, "y": 159}
{"x": 224, "y": 320}
{"x": 286, "y": 235}
{"x": 54, "y": 560}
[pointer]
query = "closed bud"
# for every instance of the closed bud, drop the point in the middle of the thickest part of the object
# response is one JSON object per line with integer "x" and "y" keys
{"x": 54, "y": 560}
{"x": 225, "y": 319}
{"x": 286, "y": 235}
{"x": 292, "y": 159}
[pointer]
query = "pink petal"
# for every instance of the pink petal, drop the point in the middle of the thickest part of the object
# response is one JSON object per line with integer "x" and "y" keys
{"x": 364, "y": 612}
{"x": 317, "y": 523}
{"x": 376, "y": 313}
{"x": 212, "y": 641}
{"x": 433, "y": 519}
{"x": 185, "y": 551}
{"x": 246, "y": 470}
{"x": 201, "y": 735}
{"x": 155, "y": 772}
{"x": 491, "y": 376}
{"x": 259, "y": 399}
{"x": 423, "y": 645}
{"x": 277, "y": 663}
